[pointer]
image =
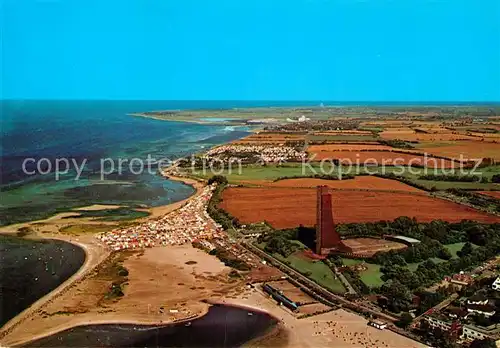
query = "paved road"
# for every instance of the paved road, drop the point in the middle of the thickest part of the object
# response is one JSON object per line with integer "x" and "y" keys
{"x": 344, "y": 281}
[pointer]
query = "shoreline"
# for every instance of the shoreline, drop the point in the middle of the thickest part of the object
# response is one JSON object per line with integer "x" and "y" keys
{"x": 93, "y": 257}
{"x": 187, "y": 120}
{"x": 155, "y": 324}
{"x": 95, "y": 254}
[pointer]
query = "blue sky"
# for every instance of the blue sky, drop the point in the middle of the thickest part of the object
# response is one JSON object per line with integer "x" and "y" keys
{"x": 341, "y": 50}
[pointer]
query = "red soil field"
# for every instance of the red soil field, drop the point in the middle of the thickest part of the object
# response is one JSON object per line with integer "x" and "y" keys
{"x": 469, "y": 150}
{"x": 359, "y": 182}
{"x": 370, "y": 246}
{"x": 384, "y": 158}
{"x": 291, "y": 207}
{"x": 343, "y": 132}
{"x": 410, "y": 135}
{"x": 347, "y": 147}
{"x": 495, "y": 194}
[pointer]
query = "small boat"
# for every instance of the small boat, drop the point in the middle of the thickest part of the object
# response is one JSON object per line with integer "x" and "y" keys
{"x": 187, "y": 324}
{"x": 250, "y": 313}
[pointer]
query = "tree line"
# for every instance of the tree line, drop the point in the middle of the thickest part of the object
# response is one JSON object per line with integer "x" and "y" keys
{"x": 454, "y": 178}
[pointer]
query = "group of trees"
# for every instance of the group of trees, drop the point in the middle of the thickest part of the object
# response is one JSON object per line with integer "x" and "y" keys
{"x": 415, "y": 253}
{"x": 281, "y": 241}
{"x": 280, "y": 244}
{"x": 230, "y": 260}
{"x": 338, "y": 176}
{"x": 455, "y": 178}
{"x": 401, "y": 144}
{"x": 479, "y": 200}
{"x": 219, "y": 215}
{"x": 437, "y": 230}
{"x": 400, "y": 281}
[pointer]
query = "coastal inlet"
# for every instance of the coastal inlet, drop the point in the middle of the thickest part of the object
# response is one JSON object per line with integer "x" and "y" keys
{"x": 31, "y": 269}
{"x": 222, "y": 326}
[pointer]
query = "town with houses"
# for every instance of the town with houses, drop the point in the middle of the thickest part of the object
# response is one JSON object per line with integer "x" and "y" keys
{"x": 184, "y": 225}
{"x": 469, "y": 317}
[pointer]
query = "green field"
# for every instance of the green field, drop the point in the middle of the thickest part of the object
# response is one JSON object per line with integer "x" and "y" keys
{"x": 414, "y": 173}
{"x": 453, "y": 248}
{"x": 86, "y": 228}
{"x": 371, "y": 276}
{"x": 272, "y": 172}
{"x": 315, "y": 270}
{"x": 268, "y": 173}
{"x": 117, "y": 214}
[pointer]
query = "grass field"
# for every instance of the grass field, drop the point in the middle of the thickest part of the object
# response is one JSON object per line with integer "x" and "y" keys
{"x": 314, "y": 270}
{"x": 250, "y": 173}
{"x": 86, "y": 228}
{"x": 371, "y": 276}
{"x": 118, "y": 214}
{"x": 269, "y": 173}
{"x": 453, "y": 248}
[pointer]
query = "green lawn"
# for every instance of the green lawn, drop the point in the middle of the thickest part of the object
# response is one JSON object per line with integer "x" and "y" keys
{"x": 371, "y": 276}
{"x": 453, "y": 248}
{"x": 269, "y": 173}
{"x": 272, "y": 172}
{"x": 317, "y": 271}
{"x": 350, "y": 262}
{"x": 86, "y": 228}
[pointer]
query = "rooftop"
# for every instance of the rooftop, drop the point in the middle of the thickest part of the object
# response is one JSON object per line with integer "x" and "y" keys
{"x": 407, "y": 239}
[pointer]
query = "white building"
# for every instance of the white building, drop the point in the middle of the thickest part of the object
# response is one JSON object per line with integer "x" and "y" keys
{"x": 435, "y": 322}
{"x": 471, "y": 333}
{"x": 378, "y": 324}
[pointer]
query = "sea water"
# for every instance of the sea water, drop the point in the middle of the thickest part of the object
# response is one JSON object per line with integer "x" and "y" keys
{"x": 90, "y": 132}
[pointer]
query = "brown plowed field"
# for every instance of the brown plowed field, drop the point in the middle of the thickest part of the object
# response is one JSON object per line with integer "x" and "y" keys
{"x": 410, "y": 135}
{"x": 495, "y": 194}
{"x": 469, "y": 149}
{"x": 343, "y": 132}
{"x": 370, "y": 246}
{"x": 359, "y": 182}
{"x": 291, "y": 207}
{"x": 398, "y": 124}
{"x": 347, "y": 147}
{"x": 384, "y": 158}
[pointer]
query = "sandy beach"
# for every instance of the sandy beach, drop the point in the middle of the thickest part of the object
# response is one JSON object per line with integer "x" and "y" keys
{"x": 338, "y": 328}
{"x": 165, "y": 285}
{"x": 16, "y": 330}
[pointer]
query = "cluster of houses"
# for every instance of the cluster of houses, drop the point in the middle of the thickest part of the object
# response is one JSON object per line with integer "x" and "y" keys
{"x": 307, "y": 124}
{"x": 259, "y": 153}
{"x": 184, "y": 225}
{"x": 460, "y": 318}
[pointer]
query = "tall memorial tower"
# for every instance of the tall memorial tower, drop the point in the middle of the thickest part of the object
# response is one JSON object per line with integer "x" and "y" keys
{"x": 327, "y": 237}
